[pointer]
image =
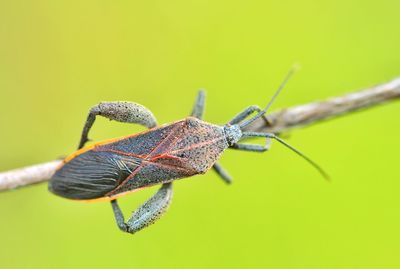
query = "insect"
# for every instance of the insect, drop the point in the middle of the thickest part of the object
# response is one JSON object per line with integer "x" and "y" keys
{"x": 160, "y": 155}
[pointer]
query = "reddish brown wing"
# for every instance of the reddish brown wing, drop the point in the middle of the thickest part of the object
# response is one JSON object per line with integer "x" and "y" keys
{"x": 181, "y": 149}
{"x": 190, "y": 147}
{"x": 94, "y": 171}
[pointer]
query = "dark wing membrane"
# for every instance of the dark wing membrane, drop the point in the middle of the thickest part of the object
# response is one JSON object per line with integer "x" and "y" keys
{"x": 150, "y": 174}
{"x": 92, "y": 174}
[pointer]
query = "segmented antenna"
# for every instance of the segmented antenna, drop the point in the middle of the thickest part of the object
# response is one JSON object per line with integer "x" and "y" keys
{"x": 262, "y": 112}
{"x": 283, "y": 84}
{"x": 283, "y": 142}
{"x": 314, "y": 164}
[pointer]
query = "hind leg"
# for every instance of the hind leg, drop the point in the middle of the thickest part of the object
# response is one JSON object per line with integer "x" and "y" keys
{"x": 118, "y": 111}
{"x": 146, "y": 214}
{"x": 129, "y": 112}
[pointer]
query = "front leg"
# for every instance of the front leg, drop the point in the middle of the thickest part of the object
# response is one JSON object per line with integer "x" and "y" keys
{"x": 247, "y": 112}
{"x": 253, "y": 147}
{"x": 146, "y": 214}
{"x": 118, "y": 111}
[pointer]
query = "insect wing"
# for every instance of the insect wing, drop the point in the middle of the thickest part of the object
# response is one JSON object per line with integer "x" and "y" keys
{"x": 92, "y": 174}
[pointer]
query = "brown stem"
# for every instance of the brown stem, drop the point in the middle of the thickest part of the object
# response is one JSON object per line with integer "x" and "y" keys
{"x": 299, "y": 116}
{"x": 27, "y": 175}
{"x": 279, "y": 121}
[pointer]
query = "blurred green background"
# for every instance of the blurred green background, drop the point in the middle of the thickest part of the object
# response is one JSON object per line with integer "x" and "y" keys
{"x": 58, "y": 58}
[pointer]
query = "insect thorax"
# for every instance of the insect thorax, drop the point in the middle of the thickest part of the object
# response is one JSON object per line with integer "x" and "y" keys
{"x": 232, "y": 134}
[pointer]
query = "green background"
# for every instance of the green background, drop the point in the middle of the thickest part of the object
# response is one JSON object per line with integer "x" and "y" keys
{"x": 58, "y": 58}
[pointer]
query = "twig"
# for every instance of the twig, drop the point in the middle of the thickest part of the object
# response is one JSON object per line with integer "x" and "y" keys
{"x": 278, "y": 122}
{"x": 27, "y": 175}
{"x": 302, "y": 115}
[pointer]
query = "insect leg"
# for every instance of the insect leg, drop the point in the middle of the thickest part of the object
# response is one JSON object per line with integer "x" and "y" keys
{"x": 198, "y": 108}
{"x": 147, "y": 213}
{"x": 253, "y": 147}
{"x": 222, "y": 173}
{"x": 118, "y": 111}
{"x": 245, "y": 113}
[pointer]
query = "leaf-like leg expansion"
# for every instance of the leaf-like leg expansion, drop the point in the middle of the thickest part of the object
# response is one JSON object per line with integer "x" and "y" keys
{"x": 119, "y": 111}
{"x": 146, "y": 214}
{"x": 198, "y": 108}
{"x": 222, "y": 173}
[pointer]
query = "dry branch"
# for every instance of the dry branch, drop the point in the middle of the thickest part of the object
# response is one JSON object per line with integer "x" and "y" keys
{"x": 279, "y": 121}
{"x": 299, "y": 116}
{"x": 27, "y": 175}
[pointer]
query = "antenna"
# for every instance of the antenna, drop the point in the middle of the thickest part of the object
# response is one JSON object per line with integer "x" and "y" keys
{"x": 283, "y": 84}
{"x": 316, "y": 166}
{"x": 283, "y": 142}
